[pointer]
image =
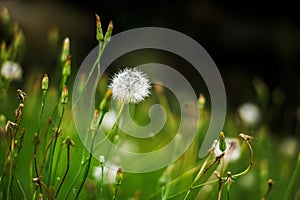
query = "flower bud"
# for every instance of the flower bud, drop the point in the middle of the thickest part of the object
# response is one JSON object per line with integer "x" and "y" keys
{"x": 45, "y": 82}
{"x": 105, "y": 103}
{"x": 4, "y": 15}
{"x": 108, "y": 32}
{"x": 222, "y": 142}
{"x": 119, "y": 176}
{"x": 99, "y": 32}
{"x": 201, "y": 101}
{"x": 64, "y": 95}
{"x": 66, "y": 70}
{"x": 65, "y": 49}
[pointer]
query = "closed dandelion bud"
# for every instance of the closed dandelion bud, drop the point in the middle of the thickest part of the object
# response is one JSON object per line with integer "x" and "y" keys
{"x": 65, "y": 49}
{"x": 45, "y": 82}
{"x": 222, "y": 142}
{"x": 119, "y": 176}
{"x": 66, "y": 70}
{"x": 105, "y": 103}
{"x": 18, "y": 39}
{"x": 201, "y": 101}
{"x": 102, "y": 159}
{"x": 64, "y": 95}
{"x": 108, "y": 32}
{"x": 94, "y": 123}
{"x": 5, "y": 18}
{"x": 99, "y": 32}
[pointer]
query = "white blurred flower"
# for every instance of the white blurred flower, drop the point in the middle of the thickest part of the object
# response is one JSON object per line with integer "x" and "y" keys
{"x": 249, "y": 114}
{"x": 130, "y": 86}
{"x": 109, "y": 120}
{"x": 109, "y": 174}
{"x": 232, "y": 151}
{"x": 11, "y": 71}
{"x": 289, "y": 147}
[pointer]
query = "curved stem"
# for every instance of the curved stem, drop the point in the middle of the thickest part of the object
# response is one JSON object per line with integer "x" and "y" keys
{"x": 66, "y": 172}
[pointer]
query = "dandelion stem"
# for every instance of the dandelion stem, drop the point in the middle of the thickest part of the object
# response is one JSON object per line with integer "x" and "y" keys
{"x": 76, "y": 177}
{"x": 246, "y": 139}
{"x": 293, "y": 182}
{"x": 54, "y": 144}
{"x": 87, "y": 168}
{"x": 37, "y": 137}
{"x": 66, "y": 172}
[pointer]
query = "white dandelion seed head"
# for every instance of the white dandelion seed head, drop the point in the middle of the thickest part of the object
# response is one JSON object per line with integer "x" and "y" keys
{"x": 11, "y": 71}
{"x": 249, "y": 113}
{"x": 130, "y": 86}
{"x": 232, "y": 151}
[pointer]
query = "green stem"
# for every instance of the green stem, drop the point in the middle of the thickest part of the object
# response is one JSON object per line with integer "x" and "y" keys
{"x": 87, "y": 168}
{"x": 54, "y": 145}
{"x": 96, "y": 64}
{"x": 37, "y": 138}
{"x": 112, "y": 130}
{"x": 293, "y": 182}
{"x": 66, "y": 172}
{"x": 76, "y": 178}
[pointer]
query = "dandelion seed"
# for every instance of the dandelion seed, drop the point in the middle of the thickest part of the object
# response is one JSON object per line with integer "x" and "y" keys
{"x": 130, "y": 86}
{"x": 11, "y": 71}
{"x": 232, "y": 151}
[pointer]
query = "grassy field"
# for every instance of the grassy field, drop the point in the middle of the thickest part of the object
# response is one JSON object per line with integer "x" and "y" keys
{"x": 43, "y": 157}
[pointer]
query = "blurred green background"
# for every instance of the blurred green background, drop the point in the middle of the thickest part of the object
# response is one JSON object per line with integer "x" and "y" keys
{"x": 254, "y": 44}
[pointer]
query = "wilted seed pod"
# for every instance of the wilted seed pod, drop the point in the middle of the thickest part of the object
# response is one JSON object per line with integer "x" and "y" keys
{"x": 21, "y": 94}
{"x": 45, "y": 82}
{"x": 105, "y": 103}
{"x": 222, "y": 142}
{"x": 65, "y": 49}
{"x": 99, "y": 32}
{"x": 64, "y": 95}
{"x": 119, "y": 176}
{"x": 108, "y": 32}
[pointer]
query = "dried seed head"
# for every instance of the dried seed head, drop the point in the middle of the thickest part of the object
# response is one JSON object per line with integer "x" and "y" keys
{"x": 21, "y": 95}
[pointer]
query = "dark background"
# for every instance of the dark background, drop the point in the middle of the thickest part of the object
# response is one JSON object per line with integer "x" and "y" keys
{"x": 246, "y": 39}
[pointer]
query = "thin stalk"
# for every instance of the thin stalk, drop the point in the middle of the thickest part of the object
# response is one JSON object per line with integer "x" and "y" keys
{"x": 66, "y": 172}
{"x": 96, "y": 64}
{"x": 293, "y": 182}
{"x": 112, "y": 130}
{"x": 54, "y": 144}
{"x": 37, "y": 138}
{"x": 76, "y": 178}
{"x": 246, "y": 139}
{"x": 202, "y": 171}
{"x": 87, "y": 168}
{"x": 192, "y": 188}
{"x": 21, "y": 188}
